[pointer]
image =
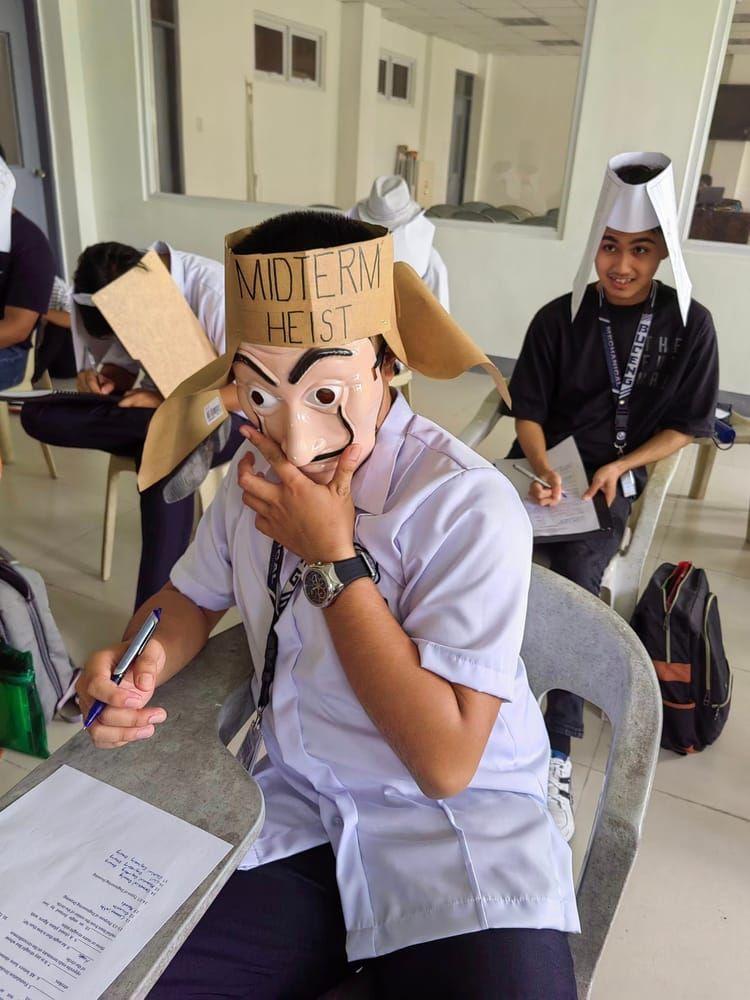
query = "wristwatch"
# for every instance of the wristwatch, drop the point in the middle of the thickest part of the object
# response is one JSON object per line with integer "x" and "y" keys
{"x": 323, "y": 582}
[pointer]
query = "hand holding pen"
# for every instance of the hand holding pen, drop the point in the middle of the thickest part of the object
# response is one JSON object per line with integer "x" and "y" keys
{"x": 553, "y": 486}
{"x": 116, "y": 715}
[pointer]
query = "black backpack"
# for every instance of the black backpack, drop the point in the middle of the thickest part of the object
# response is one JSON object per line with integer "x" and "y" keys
{"x": 677, "y": 620}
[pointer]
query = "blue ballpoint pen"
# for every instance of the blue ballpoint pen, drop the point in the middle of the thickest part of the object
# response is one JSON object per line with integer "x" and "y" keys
{"x": 135, "y": 649}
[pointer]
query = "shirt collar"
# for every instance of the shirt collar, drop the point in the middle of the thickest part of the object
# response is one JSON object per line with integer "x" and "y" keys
{"x": 372, "y": 480}
{"x": 176, "y": 267}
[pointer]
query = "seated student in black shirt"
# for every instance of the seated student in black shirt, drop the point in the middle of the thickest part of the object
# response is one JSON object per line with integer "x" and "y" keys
{"x": 27, "y": 270}
{"x": 564, "y": 384}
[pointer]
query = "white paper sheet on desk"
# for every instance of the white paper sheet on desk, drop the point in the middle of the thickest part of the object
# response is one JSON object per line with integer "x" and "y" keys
{"x": 572, "y": 515}
{"x": 88, "y": 874}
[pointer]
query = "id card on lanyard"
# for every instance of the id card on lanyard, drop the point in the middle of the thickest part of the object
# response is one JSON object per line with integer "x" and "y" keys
{"x": 280, "y": 597}
{"x": 622, "y": 385}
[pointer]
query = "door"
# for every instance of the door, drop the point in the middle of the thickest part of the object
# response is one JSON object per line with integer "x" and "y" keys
{"x": 19, "y": 135}
{"x": 459, "y": 137}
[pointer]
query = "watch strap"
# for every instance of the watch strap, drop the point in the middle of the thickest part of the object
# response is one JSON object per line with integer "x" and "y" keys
{"x": 349, "y": 570}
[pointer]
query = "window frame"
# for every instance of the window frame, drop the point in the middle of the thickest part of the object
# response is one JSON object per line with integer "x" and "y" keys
{"x": 391, "y": 58}
{"x": 289, "y": 29}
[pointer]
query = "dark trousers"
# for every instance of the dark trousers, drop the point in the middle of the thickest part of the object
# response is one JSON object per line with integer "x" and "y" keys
{"x": 165, "y": 528}
{"x": 583, "y": 562}
{"x": 277, "y": 933}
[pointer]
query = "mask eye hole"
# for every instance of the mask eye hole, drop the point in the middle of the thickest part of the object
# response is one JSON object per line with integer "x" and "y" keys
{"x": 259, "y": 399}
{"x": 324, "y": 397}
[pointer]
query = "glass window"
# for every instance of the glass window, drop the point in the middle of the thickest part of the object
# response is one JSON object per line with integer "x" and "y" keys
{"x": 304, "y": 58}
{"x": 269, "y": 50}
{"x": 382, "y": 75}
{"x": 722, "y": 204}
{"x": 400, "y": 81}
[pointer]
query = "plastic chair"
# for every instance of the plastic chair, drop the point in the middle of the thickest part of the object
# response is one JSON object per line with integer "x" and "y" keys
{"x": 704, "y": 460}
{"x": 573, "y": 641}
{"x": 476, "y": 206}
{"x": 117, "y": 464}
{"x": 469, "y": 216}
{"x": 518, "y": 211}
{"x": 538, "y": 220}
{"x": 500, "y": 215}
{"x": 7, "y": 452}
{"x": 622, "y": 578}
{"x": 441, "y": 211}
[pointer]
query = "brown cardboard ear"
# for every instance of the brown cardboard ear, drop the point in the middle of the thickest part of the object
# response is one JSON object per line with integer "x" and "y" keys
{"x": 434, "y": 343}
{"x": 150, "y": 316}
{"x": 179, "y": 425}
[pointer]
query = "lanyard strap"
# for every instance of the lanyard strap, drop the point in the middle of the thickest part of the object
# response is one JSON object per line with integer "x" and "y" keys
{"x": 622, "y": 385}
{"x": 279, "y": 598}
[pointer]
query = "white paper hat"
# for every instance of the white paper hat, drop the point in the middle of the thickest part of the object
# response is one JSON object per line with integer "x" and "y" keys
{"x": 633, "y": 208}
{"x": 7, "y": 190}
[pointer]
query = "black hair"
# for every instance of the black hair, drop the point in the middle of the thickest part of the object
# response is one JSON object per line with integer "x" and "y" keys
{"x": 303, "y": 231}
{"x": 97, "y": 266}
{"x": 706, "y": 180}
{"x": 2, "y": 153}
{"x": 638, "y": 173}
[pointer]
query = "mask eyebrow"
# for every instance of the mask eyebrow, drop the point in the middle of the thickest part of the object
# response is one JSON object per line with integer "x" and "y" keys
{"x": 309, "y": 358}
{"x": 244, "y": 360}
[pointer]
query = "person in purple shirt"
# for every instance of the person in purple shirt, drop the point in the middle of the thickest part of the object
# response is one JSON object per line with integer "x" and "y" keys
{"x": 27, "y": 271}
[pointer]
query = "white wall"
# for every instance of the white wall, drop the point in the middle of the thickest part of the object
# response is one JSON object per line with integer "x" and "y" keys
{"x": 499, "y": 275}
{"x": 398, "y": 122}
{"x": 527, "y": 124}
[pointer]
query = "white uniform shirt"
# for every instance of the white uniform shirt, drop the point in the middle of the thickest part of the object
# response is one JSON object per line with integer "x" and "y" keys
{"x": 201, "y": 281}
{"x": 453, "y": 545}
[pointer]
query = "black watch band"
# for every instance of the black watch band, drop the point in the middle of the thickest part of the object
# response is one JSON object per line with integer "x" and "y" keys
{"x": 349, "y": 570}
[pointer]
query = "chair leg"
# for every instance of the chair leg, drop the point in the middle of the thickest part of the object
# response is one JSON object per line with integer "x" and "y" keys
{"x": 704, "y": 463}
{"x": 6, "y": 441}
{"x": 110, "y": 519}
{"x": 49, "y": 459}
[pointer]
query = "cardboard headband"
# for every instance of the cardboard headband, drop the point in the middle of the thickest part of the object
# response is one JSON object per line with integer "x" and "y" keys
{"x": 306, "y": 299}
{"x": 634, "y": 208}
{"x": 151, "y": 319}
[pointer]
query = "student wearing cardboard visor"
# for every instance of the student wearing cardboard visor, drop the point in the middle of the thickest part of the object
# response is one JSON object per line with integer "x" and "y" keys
{"x": 382, "y": 570}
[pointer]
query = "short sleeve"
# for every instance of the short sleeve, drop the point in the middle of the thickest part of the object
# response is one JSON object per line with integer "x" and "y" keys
{"x": 691, "y": 409}
{"x": 532, "y": 384}
{"x": 32, "y": 268}
{"x": 204, "y": 573}
{"x": 466, "y": 554}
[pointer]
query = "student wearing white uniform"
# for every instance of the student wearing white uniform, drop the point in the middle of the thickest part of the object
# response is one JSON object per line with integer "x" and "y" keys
{"x": 390, "y": 204}
{"x": 405, "y": 783}
{"x": 119, "y": 425}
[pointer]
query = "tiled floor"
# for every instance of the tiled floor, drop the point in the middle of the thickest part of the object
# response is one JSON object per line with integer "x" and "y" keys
{"x": 682, "y": 929}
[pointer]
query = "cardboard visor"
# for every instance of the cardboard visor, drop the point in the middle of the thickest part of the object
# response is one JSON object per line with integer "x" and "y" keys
{"x": 307, "y": 299}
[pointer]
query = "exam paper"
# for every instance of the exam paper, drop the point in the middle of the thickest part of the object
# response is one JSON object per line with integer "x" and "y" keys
{"x": 88, "y": 874}
{"x": 572, "y": 516}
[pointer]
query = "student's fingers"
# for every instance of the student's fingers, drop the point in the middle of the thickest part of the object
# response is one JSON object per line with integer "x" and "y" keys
{"x": 148, "y": 666}
{"x": 96, "y": 684}
{"x": 341, "y": 484}
{"x": 111, "y": 737}
{"x": 245, "y": 466}
{"x": 593, "y": 489}
{"x": 132, "y": 718}
{"x": 553, "y": 478}
{"x": 610, "y": 490}
{"x": 273, "y": 455}
{"x": 539, "y": 493}
{"x": 106, "y": 386}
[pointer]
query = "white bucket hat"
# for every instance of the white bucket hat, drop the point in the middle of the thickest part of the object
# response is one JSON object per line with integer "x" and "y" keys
{"x": 7, "y": 190}
{"x": 389, "y": 203}
{"x": 633, "y": 208}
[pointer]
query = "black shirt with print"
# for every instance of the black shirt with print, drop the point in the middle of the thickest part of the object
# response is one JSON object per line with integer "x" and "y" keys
{"x": 561, "y": 380}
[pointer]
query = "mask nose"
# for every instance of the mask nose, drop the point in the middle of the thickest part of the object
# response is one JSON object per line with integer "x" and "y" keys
{"x": 300, "y": 443}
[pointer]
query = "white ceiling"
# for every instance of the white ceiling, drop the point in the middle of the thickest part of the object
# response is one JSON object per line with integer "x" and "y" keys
{"x": 475, "y": 24}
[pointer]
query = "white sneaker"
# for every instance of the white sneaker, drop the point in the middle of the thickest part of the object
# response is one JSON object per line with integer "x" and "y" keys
{"x": 559, "y": 797}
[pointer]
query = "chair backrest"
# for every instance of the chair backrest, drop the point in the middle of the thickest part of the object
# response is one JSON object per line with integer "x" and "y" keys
{"x": 469, "y": 215}
{"x": 575, "y": 642}
{"x": 441, "y": 211}
{"x": 518, "y": 210}
{"x": 500, "y": 215}
{"x": 476, "y": 206}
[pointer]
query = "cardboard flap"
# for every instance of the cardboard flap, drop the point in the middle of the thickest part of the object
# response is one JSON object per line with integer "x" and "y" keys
{"x": 155, "y": 324}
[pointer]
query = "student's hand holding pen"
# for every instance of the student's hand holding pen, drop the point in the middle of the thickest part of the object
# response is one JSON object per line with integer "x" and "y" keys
{"x": 543, "y": 496}
{"x": 91, "y": 380}
{"x": 127, "y": 715}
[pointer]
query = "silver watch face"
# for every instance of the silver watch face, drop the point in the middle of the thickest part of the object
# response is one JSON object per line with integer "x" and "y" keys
{"x": 317, "y": 587}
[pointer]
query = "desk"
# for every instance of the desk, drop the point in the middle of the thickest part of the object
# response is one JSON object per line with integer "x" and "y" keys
{"x": 181, "y": 769}
{"x": 704, "y": 460}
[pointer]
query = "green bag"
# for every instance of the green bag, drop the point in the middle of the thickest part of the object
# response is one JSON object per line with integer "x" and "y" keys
{"x": 22, "y": 725}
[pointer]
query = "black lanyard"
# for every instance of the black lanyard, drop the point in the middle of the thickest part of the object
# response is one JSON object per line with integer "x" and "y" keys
{"x": 280, "y": 597}
{"x": 622, "y": 385}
